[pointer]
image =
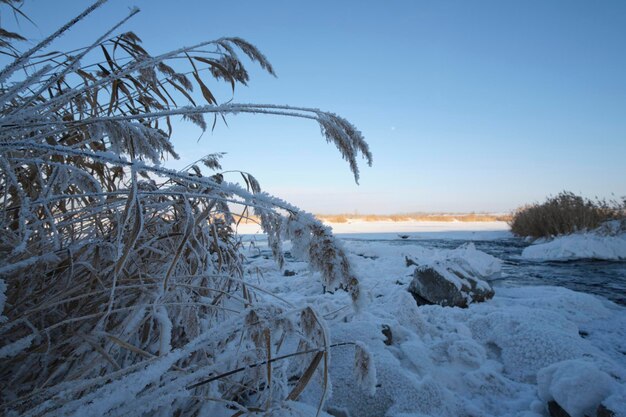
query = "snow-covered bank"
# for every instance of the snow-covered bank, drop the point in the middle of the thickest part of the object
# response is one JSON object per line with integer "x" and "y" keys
{"x": 508, "y": 356}
{"x": 591, "y": 245}
{"x": 413, "y": 229}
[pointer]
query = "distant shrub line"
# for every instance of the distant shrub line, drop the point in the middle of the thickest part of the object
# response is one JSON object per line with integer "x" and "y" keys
{"x": 564, "y": 213}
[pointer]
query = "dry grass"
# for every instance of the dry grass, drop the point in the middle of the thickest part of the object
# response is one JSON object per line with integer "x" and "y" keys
{"x": 564, "y": 214}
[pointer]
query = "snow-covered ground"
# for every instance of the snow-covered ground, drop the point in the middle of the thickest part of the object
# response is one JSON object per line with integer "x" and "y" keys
{"x": 591, "y": 245}
{"x": 508, "y": 356}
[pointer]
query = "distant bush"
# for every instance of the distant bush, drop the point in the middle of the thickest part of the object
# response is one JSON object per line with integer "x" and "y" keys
{"x": 564, "y": 214}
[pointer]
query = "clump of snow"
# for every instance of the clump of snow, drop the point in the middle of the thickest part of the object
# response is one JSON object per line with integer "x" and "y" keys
{"x": 473, "y": 261}
{"x": 577, "y": 386}
{"x": 525, "y": 340}
{"x": 590, "y": 245}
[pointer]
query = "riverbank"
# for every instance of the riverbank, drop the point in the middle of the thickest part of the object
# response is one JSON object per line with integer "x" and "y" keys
{"x": 532, "y": 345}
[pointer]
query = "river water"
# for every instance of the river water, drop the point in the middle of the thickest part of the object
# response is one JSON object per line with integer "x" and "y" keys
{"x": 605, "y": 278}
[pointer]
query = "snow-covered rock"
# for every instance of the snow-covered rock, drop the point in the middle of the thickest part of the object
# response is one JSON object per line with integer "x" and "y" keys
{"x": 454, "y": 278}
{"x": 577, "y": 386}
{"x": 448, "y": 285}
{"x": 590, "y": 245}
{"x": 473, "y": 261}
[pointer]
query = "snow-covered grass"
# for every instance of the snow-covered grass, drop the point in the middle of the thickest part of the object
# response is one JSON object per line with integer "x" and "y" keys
{"x": 508, "y": 356}
{"x": 122, "y": 290}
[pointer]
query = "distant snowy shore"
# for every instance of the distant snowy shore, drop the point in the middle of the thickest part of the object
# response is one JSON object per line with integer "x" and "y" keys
{"x": 421, "y": 229}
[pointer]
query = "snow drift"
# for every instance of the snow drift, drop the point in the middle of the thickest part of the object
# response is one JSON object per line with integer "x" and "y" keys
{"x": 590, "y": 245}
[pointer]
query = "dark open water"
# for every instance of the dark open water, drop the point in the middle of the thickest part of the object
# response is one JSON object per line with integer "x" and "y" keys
{"x": 605, "y": 278}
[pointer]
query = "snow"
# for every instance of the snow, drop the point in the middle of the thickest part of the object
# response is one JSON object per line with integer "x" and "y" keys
{"x": 504, "y": 357}
{"x": 473, "y": 262}
{"x": 507, "y": 356}
{"x": 414, "y": 229}
{"x": 422, "y": 228}
{"x": 576, "y": 385}
{"x": 590, "y": 245}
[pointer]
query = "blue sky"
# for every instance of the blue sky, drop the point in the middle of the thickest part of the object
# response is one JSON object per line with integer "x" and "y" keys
{"x": 467, "y": 105}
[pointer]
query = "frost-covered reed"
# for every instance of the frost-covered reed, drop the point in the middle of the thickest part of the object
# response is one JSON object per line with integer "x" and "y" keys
{"x": 122, "y": 285}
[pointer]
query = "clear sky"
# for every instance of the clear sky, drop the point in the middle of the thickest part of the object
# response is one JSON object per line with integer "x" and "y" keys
{"x": 467, "y": 105}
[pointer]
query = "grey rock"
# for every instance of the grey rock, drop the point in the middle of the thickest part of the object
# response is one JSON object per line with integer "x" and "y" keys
{"x": 388, "y": 335}
{"x": 604, "y": 412}
{"x": 448, "y": 286}
{"x": 338, "y": 412}
{"x": 556, "y": 410}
